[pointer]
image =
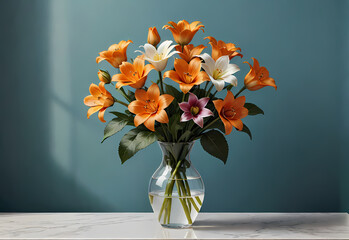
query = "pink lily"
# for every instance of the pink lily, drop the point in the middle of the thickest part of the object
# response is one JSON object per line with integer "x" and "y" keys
{"x": 195, "y": 109}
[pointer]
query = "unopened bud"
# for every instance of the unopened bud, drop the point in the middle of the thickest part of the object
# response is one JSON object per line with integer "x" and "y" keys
{"x": 153, "y": 36}
{"x": 104, "y": 76}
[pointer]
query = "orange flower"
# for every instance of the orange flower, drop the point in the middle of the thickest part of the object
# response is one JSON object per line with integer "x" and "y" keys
{"x": 115, "y": 55}
{"x": 258, "y": 77}
{"x": 221, "y": 48}
{"x": 189, "y": 51}
{"x": 187, "y": 75}
{"x": 99, "y": 100}
{"x": 133, "y": 75}
{"x": 153, "y": 36}
{"x": 149, "y": 106}
{"x": 183, "y": 32}
{"x": 231, "y": 111}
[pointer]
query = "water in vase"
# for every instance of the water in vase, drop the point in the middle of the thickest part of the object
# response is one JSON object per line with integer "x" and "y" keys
{"x": 176, "y": 211}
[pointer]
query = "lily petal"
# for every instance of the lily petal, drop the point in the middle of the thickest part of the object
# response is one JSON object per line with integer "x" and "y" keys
{"x": 202, "y": 102}
{"x": 232, "y": 80}
{"x": 222, "y": 62}
{"x": 101, "y": 114}
{"x": 150, "y": 50}
{"x": 186, "y": 117}
{"x": 141, "y": 118}
{"x": 184, "y": 106}
{"x": 141, "y": 95}
{"x": 193, "y": 99}
{"x": 150, "y": 123}
{"x": 92, "y": 110}
{"x": 164, "y": 46}
{"x": 199, "y": 121}
{"x": 153, "y": 92}
{"x": 219, "y": 84}
{"x": 165, "y": 100}
{"x": 205, "y": 112}
{"x": 162, "y": 117}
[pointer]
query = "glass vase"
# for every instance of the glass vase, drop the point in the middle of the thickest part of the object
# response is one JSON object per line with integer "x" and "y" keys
{"x": 176, "y": 190}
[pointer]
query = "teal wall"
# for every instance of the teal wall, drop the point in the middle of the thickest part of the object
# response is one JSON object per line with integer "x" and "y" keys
{"x": 51, "y": 158}
{"x": 344, "y": 65}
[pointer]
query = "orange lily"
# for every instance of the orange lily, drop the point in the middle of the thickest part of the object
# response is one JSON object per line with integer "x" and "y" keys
{"x": 99, "y": 100}
{"x": 258, "y": 77}
{"x": 116, "y": 54}
{"x": 221, "y": 48}
{"x": 183, "y": 32}
{"x": 231, "y": 111}
{"x": 153, "y": 36}
{"x": 189, "y": 51}
{"x": 133, "y": 75}
{"x": 187, "y": 74}
{"x": 149, "y": 106}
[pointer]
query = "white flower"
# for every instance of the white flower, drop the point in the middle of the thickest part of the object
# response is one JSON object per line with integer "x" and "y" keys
{"x": 158, "y": 57}
{"x": 220, "y": 71}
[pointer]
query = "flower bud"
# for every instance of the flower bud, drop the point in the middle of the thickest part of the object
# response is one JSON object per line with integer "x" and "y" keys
{"x": 104, "y": 76}
{"x": 153, "y": 36}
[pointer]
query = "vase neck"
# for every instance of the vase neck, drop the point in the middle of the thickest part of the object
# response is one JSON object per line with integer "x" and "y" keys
{"x": 174, "y": 153}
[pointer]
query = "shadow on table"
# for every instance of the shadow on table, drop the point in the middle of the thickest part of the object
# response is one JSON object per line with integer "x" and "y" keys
{"x": 278, "y": 222}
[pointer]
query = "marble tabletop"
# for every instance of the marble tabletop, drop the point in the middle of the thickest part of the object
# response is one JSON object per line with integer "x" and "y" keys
{"x": 144, "y": 226}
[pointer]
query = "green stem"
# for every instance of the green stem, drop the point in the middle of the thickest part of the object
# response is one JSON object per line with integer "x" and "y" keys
{"x": 121, "y": 102}
{"x": 194, "y": 204}
{"x": 169, "y": 209}
{"x": 185, "y": 191}
{"x": 168, "y": 195}
{"x": 208, "y": 125}
{"x": 209, "y": 91}
{"x": 185, "y": 207}
{"x": 183, "y": 98}
{"x": 206, "y": 85}
{"x": 241, "y": 90}
{"x": 165, "y": 132}
{"x": 169, "y": 188}
{"x": 161, "y": 83}
{"x": 123, "y": 93}
{"x": 198, "y": 200}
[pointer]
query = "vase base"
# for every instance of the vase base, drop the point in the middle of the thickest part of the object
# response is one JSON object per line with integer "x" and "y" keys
{"x": 176, "y": 226}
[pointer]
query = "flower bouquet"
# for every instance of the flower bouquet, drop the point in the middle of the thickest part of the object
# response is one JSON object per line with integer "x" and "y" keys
{"x": 158, "y": 111}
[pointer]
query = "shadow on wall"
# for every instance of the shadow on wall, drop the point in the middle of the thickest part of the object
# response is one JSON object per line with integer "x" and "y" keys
{"x": 31, "y": 178}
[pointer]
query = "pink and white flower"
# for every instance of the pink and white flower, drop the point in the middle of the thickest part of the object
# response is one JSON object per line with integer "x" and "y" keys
{"x": 195, "y": 109}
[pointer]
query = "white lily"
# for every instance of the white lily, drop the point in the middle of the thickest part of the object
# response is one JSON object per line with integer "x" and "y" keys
{"x": 158, "y": 57}
{"x": 220, "y": 71}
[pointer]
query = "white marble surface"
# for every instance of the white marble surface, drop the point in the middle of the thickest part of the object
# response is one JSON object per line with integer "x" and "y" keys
{"x": 144, "y": 226}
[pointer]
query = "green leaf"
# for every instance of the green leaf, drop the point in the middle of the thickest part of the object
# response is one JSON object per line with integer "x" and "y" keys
{"x": 253, "y": 109}
{"x": 185, "y": 136}
{"x": 200, "y": 93}
{"x": 219, "y": 125}
{"x": 114, "y": 126}
{"x": 245, "y": 129}
{"x": 175, "y": 125}
{"x": 133, "y": 141}
{"x": 215, "y": 144}
{"x": 120, "y": 115}
{"x": 128, "y": 118}
{"x": 173, "y": 92}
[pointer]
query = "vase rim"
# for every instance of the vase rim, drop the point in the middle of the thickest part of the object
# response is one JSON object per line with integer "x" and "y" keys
{"x": 161, "y": 142}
